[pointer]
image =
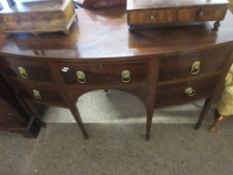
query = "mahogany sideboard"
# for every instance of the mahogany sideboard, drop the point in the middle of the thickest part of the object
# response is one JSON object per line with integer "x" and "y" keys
{"x": 162, "y": 66}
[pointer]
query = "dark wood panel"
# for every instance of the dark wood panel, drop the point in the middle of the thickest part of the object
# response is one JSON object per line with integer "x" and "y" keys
{"x": 106, "y": 73}
{"x": 180, "y": 66}
{"x": 27, "y": 69}
{"x": 44, "y": 95}
{"x": 175, "y": 94}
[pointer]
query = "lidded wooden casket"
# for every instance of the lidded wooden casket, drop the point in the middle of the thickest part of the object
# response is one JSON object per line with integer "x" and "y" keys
{"x": 37, "y": 16}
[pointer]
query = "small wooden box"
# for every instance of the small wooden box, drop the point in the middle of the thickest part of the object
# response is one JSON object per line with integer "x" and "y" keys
{"x": 161, "y": 12}
{"x": 37, "y": 17}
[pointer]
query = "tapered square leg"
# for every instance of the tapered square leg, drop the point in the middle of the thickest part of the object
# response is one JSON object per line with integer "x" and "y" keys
{"x": 77, "y": 117}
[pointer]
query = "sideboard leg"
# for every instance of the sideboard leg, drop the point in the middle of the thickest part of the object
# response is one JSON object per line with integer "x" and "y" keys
{"x": 217, "y": 120}
{"x": 216, "y": 25}
{"x": 77, "y": 117}
{"x": 31, "y": 110}
{"x": 216, "y": 93}
{"x": 204, "y": 111}
{"x": 151, "y": 95}
{"x": 149, "y": 122}
{"x": 131, "y": 29}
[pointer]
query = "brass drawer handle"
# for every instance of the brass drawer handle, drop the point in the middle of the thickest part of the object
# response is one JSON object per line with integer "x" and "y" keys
{"x": 23, "y": 73}
{"x": 190, "y": 92}
{"x": 125, "y": 76}
{"x": 36, "y": 94}
{"x": 81, "y": 77}
{"x": 196, "y": 67}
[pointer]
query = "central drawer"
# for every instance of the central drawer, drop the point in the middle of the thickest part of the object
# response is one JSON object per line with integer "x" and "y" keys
{"x": 103, "y": 73}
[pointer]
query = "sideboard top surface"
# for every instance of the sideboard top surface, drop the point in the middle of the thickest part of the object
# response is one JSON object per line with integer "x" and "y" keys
{"x": 104, "y": 34}
{"x": 145, "y": 4}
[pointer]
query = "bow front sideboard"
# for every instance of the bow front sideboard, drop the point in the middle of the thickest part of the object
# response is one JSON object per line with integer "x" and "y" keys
{"x": 161, "y": 66}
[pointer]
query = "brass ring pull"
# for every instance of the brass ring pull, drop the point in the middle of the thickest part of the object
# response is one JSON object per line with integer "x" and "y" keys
{"x": 36, "y": 94}
{"x": 81, "y": 77}
{"x": 125, "y": 76}
{"x": 190, "y": 92}
{"x": 196, "y": 67}
{"x": 23, "y": 73}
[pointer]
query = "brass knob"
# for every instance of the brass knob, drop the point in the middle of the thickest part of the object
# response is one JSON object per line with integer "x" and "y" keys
{"x": 190, "y": 92}
{"x": 125, "y": 76}
{"x": 22, "y": 72}
{"x": 81, "y": 77}
{"x": 152, "y": 17}
{"x": 36, "y": 94}
{"x": 196, "y": 67}
{"x": 201, "y": 13}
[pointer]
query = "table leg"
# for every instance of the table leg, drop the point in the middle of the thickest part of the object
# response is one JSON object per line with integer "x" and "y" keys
{"x": 204, "y": 111}
{"x": 77, "y": 117}
{"x": 216, "y": 25}
{"x": 149, "y": 122}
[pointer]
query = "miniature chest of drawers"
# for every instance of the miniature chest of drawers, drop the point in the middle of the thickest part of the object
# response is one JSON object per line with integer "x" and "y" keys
{"x": 37, "y": 17}
{"x": 160, "y": 12}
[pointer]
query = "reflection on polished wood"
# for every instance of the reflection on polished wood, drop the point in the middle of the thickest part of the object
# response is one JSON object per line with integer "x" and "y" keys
{"x": 159, "y": 61}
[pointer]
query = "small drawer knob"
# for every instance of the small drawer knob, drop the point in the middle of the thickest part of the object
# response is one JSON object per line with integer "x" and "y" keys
{"x": 22, "y": 72}
{"x": 152, "y": 17}
{"x": 201, "y": 13}
{"x": 196, "y": 67}
{"x": 190, "y": 92}
{"x": 125, "y": 76}
{"x": 81, "y": 77}
{"x": 36, "y": 94}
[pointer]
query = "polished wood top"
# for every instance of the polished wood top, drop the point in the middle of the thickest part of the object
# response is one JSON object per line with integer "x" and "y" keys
{"x": 145, "y": 4}
{"x": 104, "y": 34}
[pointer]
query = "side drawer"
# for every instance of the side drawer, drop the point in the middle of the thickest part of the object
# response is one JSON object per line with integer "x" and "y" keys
{"x": 103, "y": 73}
{"x": 185, "y": 92}
{"x": 191, "y": 65}
{"x": 44, "y": 95}
{"x": 151, "y": 17}
{"x": 206, "y": 13}
{"x": 26, "y": 69}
